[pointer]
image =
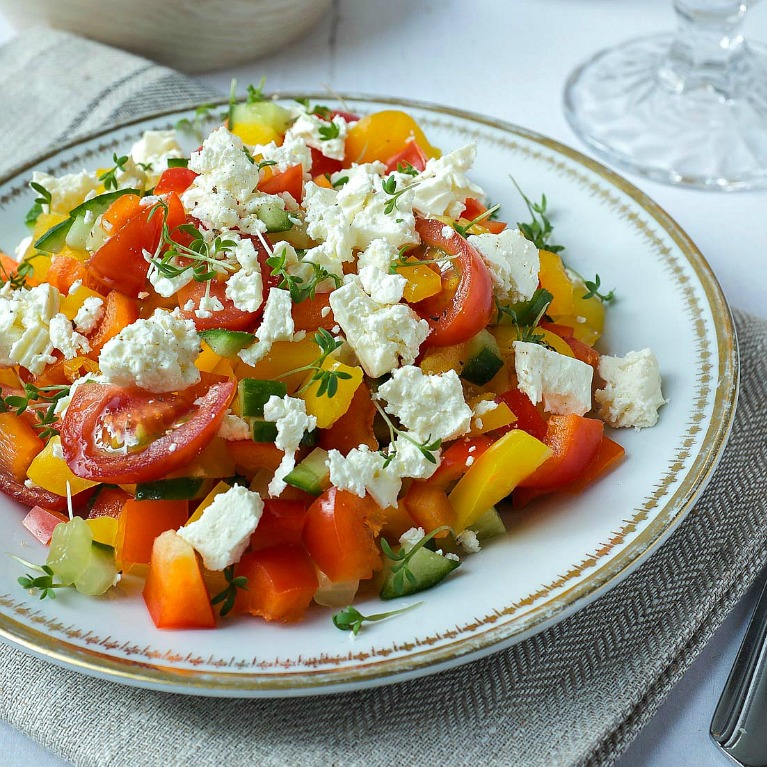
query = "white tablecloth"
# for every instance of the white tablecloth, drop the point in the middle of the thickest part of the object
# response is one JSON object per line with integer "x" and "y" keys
{"x": 509, "y": 59}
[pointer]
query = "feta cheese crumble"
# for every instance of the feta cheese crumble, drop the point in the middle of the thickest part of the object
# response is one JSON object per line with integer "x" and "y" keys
{"x": 363, "y": 470}
{"x": 380, "y": 334}
{"x": 234, "y": 428}
{"x": 89, "y": 314}
{"x": 468, "y": 541}
{"x": 67, "y": 191}
{"x": 157, "y": 354}
{"x": 223, "y": 532}
{"x": 308, "y": 129}
{"x": 562, "y": 383}
{"x": 632, "y": 392}
{"x": 276, "y": 325}
{"x": 66, "y": 339}
{"x": 430, "y": 407}
{"x": 289, "y": 414}
{"x": 512, "y": 261}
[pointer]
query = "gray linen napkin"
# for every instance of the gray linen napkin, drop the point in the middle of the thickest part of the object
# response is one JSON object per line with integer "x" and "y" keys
{"x": 574, "y": 695}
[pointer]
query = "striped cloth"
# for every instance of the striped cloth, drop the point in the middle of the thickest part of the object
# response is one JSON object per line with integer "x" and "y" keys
{"x": 574, "y": 695}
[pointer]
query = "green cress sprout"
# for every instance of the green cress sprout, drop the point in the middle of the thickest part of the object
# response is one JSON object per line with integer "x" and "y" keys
{"x": 389, "y": 185}
{"x": 43, "y": 198}
{"x": 195, "y": 125}
{"x": 18, "y": 278}
{"x": 44, "y": 583}
{"x": 109, "y": 178}
{"x": 427, "y": 449}
{"x": 351, "y": 619}
{"x": 298, "y": 289}
{"x": 319, "y": 110}
{"x": 593, "y": 290}
{"x": 540, "y": 229}
{"x": 228, "y": 596}
{"x": 400, "y": 559}
{"x": 328, "y": 379}
{"x": 329, "y": 131}
{"x": 41, "y": 401}
{"x": 488, "y": 214}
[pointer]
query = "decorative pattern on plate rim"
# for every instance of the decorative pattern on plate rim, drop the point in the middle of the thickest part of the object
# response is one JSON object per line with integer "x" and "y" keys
{"x": 154, "y": 667}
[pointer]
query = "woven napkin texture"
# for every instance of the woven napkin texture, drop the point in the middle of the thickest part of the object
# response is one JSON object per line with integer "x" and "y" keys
{"x": 573, "y": 695}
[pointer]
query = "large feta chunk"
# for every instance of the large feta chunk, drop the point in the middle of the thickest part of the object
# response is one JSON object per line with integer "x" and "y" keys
{"x": 67, "y": 191}
{"x": 562, "y": 383}
{"x": 380, "y": 335}
{"x": 380, "y": 254}
{"x": 157, "y": 354}
{"x": 222, "y": 159}
{"x": 289, "y": 414}
{"x": 327, "y": 137}
{"x": 245, "y": 289}
{"x": 512, "y": 261}
{"x": 153, "y": 150}
{"x": 442, "y": 186}
{"x": 362, "y": 470}
{"x": 276, "y": 325}
{"x": 430, "y": 407}
{"x": 382, "y": 287}
{"x": 291, "y": 152}
{"x": 223, "y": 532}
{"x": 632, "y": 392}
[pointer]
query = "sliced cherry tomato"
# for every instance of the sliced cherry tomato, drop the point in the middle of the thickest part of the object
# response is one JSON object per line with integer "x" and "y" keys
{"x": 230, "y": 317}
{"x": 350, "y": 117}
{"x": 107, "y": 502}
{"x": 339, "y": 534}
{"x": 30, "y": 496}
{"x": 412, "y": 154}
{"x": 574, "y": 441}
{"x": 290, "y": 181}
{"x": 171, "y": 430}
{"x": 322, "y": 165}
{"x": 120, "y": 263}
{"x": 176, "y": 180}
{"x": 528, "y": 417}
{"x": 475, "y": 208}
{"x": 457, "y": 313}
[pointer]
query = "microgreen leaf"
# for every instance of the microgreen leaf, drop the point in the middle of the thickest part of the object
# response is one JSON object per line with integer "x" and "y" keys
{"x": 195, "y": 125}
{"x": 540, "y": 229}
{"x": 426, "y": 448}
{"x": 329, "y": 131}
{"x": 41, "y": 402}
{"x": 351, "y": 619}
{"x": 227, "y": 597}
{"x": 463, "y": 230}
{"x": 298, "y": 288}
{"x": 109, "y": 178}
{"x": 44, "y": 583}
{"x": 593, "y": 287}
{"x": 43, "y": 199}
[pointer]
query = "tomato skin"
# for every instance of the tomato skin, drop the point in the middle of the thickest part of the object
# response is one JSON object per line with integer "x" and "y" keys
{"x": 91, "y": 401}
{"x": 176, "y": 180}
{"x": 290, "y": 181}
{"x": 322, "y": 165}
{"x": 460, "y": 317}
{"x": 339, "y": 534}
{"x": 412, "y": 154}
{"x": 30, "y": 496}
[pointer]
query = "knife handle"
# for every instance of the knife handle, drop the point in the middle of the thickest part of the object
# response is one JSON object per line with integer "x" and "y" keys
{"x": 739, "y": 725}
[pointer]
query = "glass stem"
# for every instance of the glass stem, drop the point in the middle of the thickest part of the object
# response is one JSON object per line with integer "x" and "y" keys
{"x": 708, "y": 50}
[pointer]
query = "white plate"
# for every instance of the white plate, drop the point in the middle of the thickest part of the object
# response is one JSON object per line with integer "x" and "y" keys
{"x": 558, "y": 555}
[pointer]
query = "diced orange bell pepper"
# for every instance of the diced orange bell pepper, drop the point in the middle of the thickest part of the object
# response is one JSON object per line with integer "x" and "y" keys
{"x": 65, "y": 271}
{"x": 119, "y": 312}
{"x": 429, "y": 506}
{"x": 141, "y": 522}
{"x": 313, "y": 313}
{"x": 327, "y": 410}
{"x": 607, "y": 457}
{"x": 354, "y": 427}
{"x": 250, "y": 457}
{"x": 281, "y": 583}
{"x": 396, "y": 521}
{"x": 19, "y": 445}
{"x": 495, "y": 474}
{"x": 457, "y": 459}
{"x": 41, "y": 523}
{"x": 175, "y": 592}
{"x": 440, "y": 359}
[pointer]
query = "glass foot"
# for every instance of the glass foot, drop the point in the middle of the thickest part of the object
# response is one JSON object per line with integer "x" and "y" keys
{"x": 635, "y": 111}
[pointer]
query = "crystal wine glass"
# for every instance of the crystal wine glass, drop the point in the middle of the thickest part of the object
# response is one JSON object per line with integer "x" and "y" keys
{"x": 688, "y": 110}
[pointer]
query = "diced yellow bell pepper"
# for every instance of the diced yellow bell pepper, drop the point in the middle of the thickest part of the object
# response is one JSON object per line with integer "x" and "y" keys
{"x": 8, "y": 377}
{"x": 213, "y": 462}
{"x": 555, "y": 342}
{"x": 76, "y": 253}
{"x": 553, "y": 278}
{"x": 104, "y": 529}
{"x": 422, "y": 281}
{"x": 440, "y": 359}
{"x": 41, "y": 261}
{"x": 210, "y": 362}
{"x": 220, "y": 488}
{"x": 253, "y": 133}
{"x": 497, "y": 418}
{"x": 52, "y": 473}
{"x": 70, "y": 304}
{"x": 588, "y": 317}
{"x": 495, "y": 474}
{"x": 283, "y": 357}
{"x": 327, "y": 410}
{"x": 381, "y": 135}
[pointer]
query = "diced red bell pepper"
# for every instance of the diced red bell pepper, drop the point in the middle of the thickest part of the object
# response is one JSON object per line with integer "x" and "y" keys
{"x": 322, "y": 165}
{"x": 290, "y": 181}
{"x": 354, "y": 427}
{"x": 176, "y": 180}
{"x": 574, "y": 441}
{"x": 281, "y": 523}
{"x": 528, "y": 417}
{"x": 281, "y": 583}
{"x": 108, "y": 502}
{"x": 457, "y": 458}
{"x": 250, "y": 457}
{"x": 412, "y": 154}
{"x": 41, "y": 523}
{"x": 475, "y": 208}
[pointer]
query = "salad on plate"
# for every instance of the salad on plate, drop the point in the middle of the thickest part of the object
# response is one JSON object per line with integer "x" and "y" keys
{"x": 304, "y": 361}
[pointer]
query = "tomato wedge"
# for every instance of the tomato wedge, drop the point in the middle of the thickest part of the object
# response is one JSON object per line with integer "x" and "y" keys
{"x": 458, "y": 313}
{"x": 176, "y": 180}
{"x": 171, "y": 430}
{"x": 290, "y": 181}
{"x": 230, "y": 317}
{"x": 412, "y": 154}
